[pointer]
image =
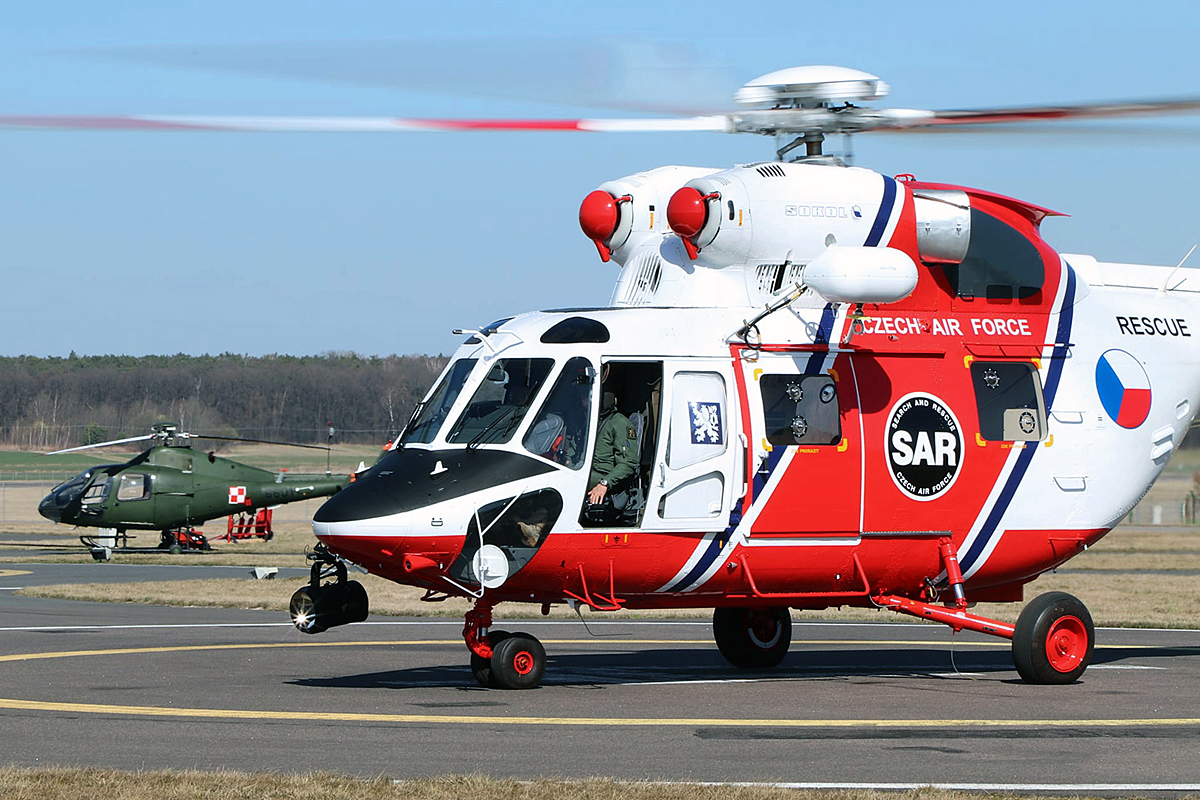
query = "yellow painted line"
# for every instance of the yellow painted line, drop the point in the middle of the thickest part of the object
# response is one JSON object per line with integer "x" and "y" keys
{"x": 8, "y": 573}
{"x": 479, "y": 719}
{"x": 125, "y": 651}
{"x": 474, "y": 719}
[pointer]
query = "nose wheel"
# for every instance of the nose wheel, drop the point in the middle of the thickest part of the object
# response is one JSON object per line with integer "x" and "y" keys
{"x": 499, "y": 659}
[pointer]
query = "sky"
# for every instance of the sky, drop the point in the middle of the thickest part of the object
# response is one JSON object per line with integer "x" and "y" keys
{"x": 140, "y": 243}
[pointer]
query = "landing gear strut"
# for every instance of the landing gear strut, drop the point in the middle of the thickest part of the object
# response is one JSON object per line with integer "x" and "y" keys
{"x": 320, "y": 606}
{"x": 499, "y": 659}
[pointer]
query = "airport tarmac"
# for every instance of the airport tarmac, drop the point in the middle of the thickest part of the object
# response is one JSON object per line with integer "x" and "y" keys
{"x": 879, "y": 704}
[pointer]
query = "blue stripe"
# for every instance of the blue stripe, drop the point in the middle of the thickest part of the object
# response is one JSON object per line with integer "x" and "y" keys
{"x": 885, "y": 213}
{"x": 710, "y": 555}
{"x": 1061, "y": 347}
{"x": 824, "y": 331}
{"x": 715, "y": 547}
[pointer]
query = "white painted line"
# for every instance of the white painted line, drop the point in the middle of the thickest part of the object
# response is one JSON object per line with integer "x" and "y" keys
{"x": 1120, "y": 666}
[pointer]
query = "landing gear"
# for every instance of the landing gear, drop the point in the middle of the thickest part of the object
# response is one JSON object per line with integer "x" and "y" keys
{"x": 319, "y": 606}
{"x": 753, "y": 638}
{"x": 1053, "y": 640}
{"x": 499, "y": 659}
{"x": 518, "y": 662}
{"x": 1051, "y": 643}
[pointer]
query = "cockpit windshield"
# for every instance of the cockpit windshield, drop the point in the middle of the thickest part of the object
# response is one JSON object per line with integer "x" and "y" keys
{"x": 501, "y": 401}
{"x": 433, "y": 412}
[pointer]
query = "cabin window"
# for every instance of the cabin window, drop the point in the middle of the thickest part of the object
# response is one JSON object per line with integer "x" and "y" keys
{"x": 430, "y": 415}
{"x": 560, "y": 431}
{"x": 501, "y": 401}
{"x": 1008, "y": 396}
{"x": 1001, "y": 264}
{"x": 800, "y": 409}
{"x": 134, "y": 486}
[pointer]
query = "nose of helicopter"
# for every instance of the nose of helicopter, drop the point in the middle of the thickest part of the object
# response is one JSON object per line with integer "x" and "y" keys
{"x": 50, "y": 508}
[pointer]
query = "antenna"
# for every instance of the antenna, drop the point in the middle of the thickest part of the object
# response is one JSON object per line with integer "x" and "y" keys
{"x": 1164, "y": 288}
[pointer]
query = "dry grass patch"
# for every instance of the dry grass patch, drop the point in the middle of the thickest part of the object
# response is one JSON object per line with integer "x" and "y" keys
{"x": 87, "y": 784}
{"x": 1101, "y": 577}
{"x": 1158, "y": 601}
{"x": 285, "y": 549}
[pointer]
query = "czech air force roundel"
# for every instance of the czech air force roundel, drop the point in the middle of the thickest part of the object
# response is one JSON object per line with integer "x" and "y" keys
{"x": 924, "y": 446}
{"x": 1124, "y": 388}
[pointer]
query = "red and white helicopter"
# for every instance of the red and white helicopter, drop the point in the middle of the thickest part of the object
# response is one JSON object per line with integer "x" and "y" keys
{"x": 839, "y": 388}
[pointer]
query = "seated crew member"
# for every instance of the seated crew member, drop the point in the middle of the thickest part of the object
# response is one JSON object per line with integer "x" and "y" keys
{"x": 614, "y": 461}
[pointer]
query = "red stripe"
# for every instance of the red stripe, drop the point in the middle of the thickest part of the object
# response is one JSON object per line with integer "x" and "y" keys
{"x": 499, "y": 124}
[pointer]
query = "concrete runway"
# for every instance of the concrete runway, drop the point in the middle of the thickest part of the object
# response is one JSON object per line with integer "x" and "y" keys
{"x": 882, "y": 704}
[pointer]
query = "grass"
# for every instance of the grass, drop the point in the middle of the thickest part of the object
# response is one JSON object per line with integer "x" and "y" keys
{"x": 86, "y": 784}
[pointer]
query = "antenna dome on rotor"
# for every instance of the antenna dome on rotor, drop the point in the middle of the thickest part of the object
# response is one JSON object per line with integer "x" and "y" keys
{"x": 811, "y": 85}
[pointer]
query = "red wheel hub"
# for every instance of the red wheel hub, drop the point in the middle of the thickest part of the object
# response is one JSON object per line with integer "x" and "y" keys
{"x": 1066, "y": 643}
{"x": 523, "y": 662}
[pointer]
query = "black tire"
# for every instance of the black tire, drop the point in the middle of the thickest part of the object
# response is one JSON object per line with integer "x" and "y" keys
{"x": 304, "y": 612}
{"x": 1053, "y": 640}
{"x": 355, "y": 605}
{"x": 518, "y": 662}
{"x": 481, "y": 667}
{"x": 753, "y": 638}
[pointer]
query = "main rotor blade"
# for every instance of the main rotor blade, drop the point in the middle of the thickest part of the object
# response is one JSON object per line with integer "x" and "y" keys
{"x": 104, "y": 444}
{"x": 249, "y": 124}
{"x": 1130, "y": 108}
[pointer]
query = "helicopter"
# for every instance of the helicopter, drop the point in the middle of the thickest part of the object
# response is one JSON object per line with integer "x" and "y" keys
{"x": 828, "y": 387}
{"x": 170, "y": 488}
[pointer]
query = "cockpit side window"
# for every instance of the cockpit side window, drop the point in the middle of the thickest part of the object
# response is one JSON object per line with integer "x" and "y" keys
{"x": 560, "y": 431}
{"x": 433, "y": 412}
{"x": 98, "y": 491}
{"x": 501, "y": 401}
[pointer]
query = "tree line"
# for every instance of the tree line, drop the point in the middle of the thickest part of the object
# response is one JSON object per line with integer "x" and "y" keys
{"x": 55, "y": 403}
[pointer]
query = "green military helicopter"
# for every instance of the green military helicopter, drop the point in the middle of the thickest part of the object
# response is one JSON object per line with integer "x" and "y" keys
{"x": 170, "y": 488}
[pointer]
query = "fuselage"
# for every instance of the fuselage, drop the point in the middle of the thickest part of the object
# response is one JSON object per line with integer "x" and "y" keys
{"x": 1017, "y": 402}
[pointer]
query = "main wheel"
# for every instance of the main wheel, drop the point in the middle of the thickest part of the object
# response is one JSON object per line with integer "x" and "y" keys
{"x": 518, "y": 662}
{"x": 1053, "y": 639}
{"x": 481, "y": 667}
{"x": 753, "y": 638}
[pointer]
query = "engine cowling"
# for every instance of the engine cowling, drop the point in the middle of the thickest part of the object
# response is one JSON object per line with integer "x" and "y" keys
{"x": 773, "y": 213}
{"x": 623, "y": 213}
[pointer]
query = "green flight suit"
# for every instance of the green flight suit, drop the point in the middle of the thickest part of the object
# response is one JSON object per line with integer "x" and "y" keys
{"x": 615, "y": 458}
